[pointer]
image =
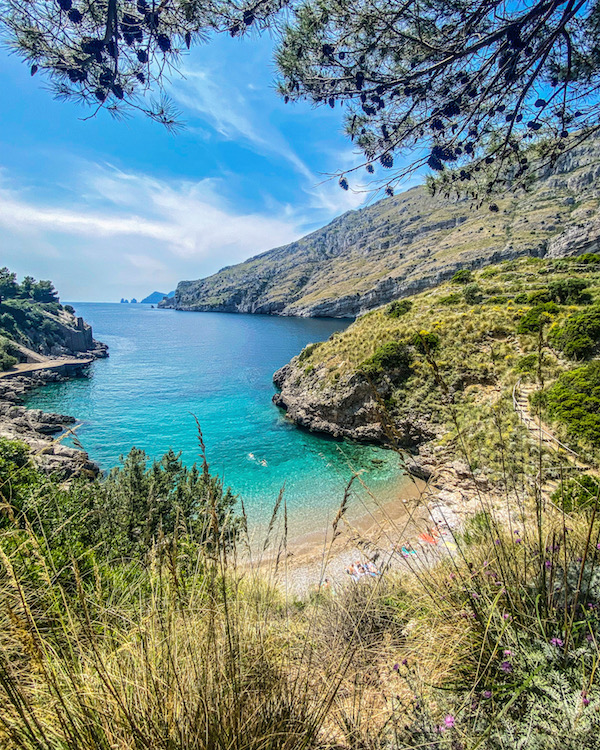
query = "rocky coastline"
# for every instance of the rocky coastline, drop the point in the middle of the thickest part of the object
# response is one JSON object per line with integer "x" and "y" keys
{"x": 350, "y": 409}
{"x": 41, "y": 430}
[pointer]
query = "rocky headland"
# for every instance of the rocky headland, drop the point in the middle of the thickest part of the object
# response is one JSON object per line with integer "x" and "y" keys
{"x": 434, "y": 376}
{"x": 47, "y": 344}
{"x": 408, "y": 243}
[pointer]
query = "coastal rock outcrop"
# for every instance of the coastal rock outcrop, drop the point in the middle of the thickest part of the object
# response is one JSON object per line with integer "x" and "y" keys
{"x": 39, "y": 429}
{"x": 349, "y": 408}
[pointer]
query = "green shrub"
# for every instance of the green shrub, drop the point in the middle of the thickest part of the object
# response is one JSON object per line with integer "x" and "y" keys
{"x": 579, "y": 337}
{"x": 528, "y": 363}
{"x": 538, "y": 297}
{"x": 581, "y": 493}
{"x": 451, "y": 299}
{"x": 538, "y": 316}
{"x": 588, "y": 259}
{"x": 464, "y": 276}
{"x": 70, "y": 309}
{"x": 398, "y": 308}
{"x": 7, "y": 323}
{"x": 393, "y": 358}
{"x": 7, "y": 360}
{"x": 308, "y": 350}
{"x": 522, "y": 298}
{"x": 574, "y": 400}
{"x": 569, "y": 291}
{"x": 472, "y": 294}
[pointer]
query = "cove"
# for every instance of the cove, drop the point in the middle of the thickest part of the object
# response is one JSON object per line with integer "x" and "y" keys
{"x": 166, "y": 366}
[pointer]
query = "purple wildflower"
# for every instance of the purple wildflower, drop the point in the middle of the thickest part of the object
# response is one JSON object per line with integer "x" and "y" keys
{"x": 396, "y": 667}
{"x": 506, "y": 666}
{"x": 518, "y": 541}
{"x": 548, "y": 564}
{"x": 497, "y": 541}
{"x": 556, "y": 642}
{"x": 507, "y": 652}
{"x": 404, "y": 662}
{"x": 584, "y": 699}
{"x": 449, "y": 721}
{"x": 487, "y": 694}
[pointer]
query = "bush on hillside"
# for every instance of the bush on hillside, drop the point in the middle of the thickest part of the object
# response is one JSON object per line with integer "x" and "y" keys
{"x": 588, "y": 259}
{"x": 537, "y": 317}
{"x": 464, "y": 276}
{"x": 398, "y": 308}
{"x": 574, "y": 400}
{"x": 393, "y": 359}
{"x": 7, "y": 360}
{"x": 451, "y": 299}
{"x": 579, "y": 337}
{"x": 472, "y": 294}
{"x": 425, "y": 341}
{"x": 527, "y": 363}
{"x": 139, "y": 504}
{"x": 570, "y": 291}
{"x": 308, "y": 350}
{"x": 540, "y": 296}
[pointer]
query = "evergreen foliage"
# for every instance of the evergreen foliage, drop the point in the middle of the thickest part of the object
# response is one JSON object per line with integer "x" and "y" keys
{"x": 464, "y": 276}
{"x": 574, "y": 400}
{"x": 537, "y": 317}
{"x": 393, "y": 359}
{"x": 479, "y": 83}
{"x": 579, "y": 337}
{"x": 398, "y": 308}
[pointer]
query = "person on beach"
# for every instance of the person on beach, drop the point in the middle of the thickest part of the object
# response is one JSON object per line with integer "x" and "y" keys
{"x": 353, "y": 573}
{"x": 371, "y": 569}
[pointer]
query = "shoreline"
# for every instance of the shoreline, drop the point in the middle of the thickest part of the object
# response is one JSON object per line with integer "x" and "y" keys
{"x": 409, "y": 532}
{"x": 42, "y": 431}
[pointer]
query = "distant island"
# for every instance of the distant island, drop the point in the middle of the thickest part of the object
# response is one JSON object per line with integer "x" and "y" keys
{"x": 156, "y": 297}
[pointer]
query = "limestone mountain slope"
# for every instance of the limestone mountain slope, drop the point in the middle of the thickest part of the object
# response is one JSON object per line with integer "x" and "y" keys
{"x": 408, "y": 243}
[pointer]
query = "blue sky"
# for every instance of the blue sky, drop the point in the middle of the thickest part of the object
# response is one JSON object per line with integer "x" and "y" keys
{"x": 109, "y": 208}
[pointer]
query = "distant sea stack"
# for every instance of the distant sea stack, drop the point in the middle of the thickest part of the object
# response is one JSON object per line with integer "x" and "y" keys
{"x": 407, "y": 243}
{"x": 124, "y": 301}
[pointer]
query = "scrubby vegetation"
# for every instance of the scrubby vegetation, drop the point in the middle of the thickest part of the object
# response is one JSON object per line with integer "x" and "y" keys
{"x": 529, "y": 318}
{"x": 574, "y": 401}
{"x": 122, "y": 628}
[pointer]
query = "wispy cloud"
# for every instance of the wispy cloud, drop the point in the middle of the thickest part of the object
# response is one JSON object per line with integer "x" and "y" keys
{"x": 162, "y": 230}
{"x": 233, "y": 116}
{"x": 189, "y": 219}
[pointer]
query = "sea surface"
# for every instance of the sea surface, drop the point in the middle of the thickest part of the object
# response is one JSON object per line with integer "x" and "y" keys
{"x": 166, "y": 366}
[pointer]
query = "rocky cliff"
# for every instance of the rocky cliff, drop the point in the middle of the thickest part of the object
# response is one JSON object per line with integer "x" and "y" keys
{"x": 405, "y": 244}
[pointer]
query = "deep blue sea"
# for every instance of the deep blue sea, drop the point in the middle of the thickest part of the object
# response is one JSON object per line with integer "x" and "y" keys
{"x": 166, "y": 366}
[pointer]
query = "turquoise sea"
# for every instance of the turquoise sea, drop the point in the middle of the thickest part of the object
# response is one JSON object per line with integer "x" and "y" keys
{"x": 166, "y": 366}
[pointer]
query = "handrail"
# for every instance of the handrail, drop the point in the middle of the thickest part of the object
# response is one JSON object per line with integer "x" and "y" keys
{"x": 539, "y": 428}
